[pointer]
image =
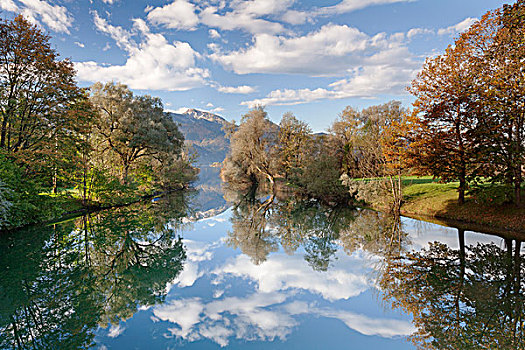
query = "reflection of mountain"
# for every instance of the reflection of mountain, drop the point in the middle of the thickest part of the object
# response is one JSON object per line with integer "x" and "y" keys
{"x": 204, "y": 135}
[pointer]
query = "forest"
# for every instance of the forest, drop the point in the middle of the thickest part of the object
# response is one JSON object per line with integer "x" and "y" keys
{"x": 64, "y": 147}
{"x": 466, "y": 126}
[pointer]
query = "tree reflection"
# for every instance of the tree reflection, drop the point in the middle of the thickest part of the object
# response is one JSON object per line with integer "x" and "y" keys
{"x": 260, "y": 225}
{"x": 250, "y": 230}
{"x": 62, "y": 281}
{"x": 469, "y": 298}
{"x": 376, "y": 233}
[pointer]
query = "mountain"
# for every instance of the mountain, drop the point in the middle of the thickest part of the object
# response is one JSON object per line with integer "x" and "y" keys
{"x": 203, "y": 133}
{"x": 204, "y": 136}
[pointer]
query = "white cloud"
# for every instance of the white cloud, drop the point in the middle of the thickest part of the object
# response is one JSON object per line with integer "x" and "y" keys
{"x": 458, "y": 28}
{"x": 233, "y": 20}
{"x": 366, "y": 82}
{"x": 418, "y": 31}
{"x": 263, "y": 7}
{"x": 56, "y": 17}
{"x": 180, "y": 14}
{"x": 115, "y": 331}
{"x": 295, "y": 17}
{"x": 331, "y": 50}
{"x": 387, "y": 328}
{"x": 185, "y": 313}
{"x": 353, "y": 5}
{"x": 153, "y": 63}
{"x": 79, "y": 44}
{"x": 8, "y": 5}
{"x": 345, "y": 6}
{"x": 243, "y": 15}
{"x": 214, "y": 34}
{"x": 261, "y": 316}
{"x": 111, "y": 2}
{"x": 217, "y": 110}
{"x": 122, "y": 37}
{"x": 281, "y": 272}
{"x": 375, "y": 65}
{"x": 258, "y": 316}
{"x": 243, "y": 89}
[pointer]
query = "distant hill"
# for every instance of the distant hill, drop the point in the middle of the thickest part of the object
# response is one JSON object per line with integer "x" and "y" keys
{"x": 203, "y": 134}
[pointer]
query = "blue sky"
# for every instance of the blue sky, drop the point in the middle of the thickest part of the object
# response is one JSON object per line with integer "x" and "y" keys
{"x": 313, "y": 58}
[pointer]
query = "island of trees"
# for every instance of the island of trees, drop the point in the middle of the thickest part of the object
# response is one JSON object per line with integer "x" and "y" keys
{"x": 466, "y": 127}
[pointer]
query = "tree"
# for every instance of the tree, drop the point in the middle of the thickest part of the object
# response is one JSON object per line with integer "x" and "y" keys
{"x": 471, "y": 104}
{"x": 294, "y": 138}
{"x": 36, "y": 89}
{"x": 446, "y": 105}
{"x": 134, "y": 128}
{"x": 359, "y": 136}
{"x": 252, "y": 158}
{"x": 500, "y": 39}
{"x": 367, "y": 140}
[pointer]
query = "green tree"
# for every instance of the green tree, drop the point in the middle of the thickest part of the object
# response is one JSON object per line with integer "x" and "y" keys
{"x": 294, "y": 138}
{"x": 134, "y": 128}
{"x": 36, "y": 89}
{"x": 252, "y": 159}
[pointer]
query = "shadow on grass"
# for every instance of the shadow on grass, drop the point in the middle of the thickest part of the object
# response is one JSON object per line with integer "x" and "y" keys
{"x": 414, "y": 180}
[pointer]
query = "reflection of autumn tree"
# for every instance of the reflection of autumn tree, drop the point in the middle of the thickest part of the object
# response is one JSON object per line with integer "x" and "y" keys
{"x": 63, "y": 281}
{"x": 376, "y": 233}
{"x": 250, "y": 232}
{"x": 258, "y": 227}
{"x": 470, "y": 298}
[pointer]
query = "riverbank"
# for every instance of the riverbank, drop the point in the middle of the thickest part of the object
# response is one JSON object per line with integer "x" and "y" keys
{"x": 65, "y": 207}
{"x": 439, "y": 201}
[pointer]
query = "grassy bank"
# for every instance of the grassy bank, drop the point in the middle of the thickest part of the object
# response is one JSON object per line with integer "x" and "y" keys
{"x": 50, "y": 208}
{"x": 427, "y": 198}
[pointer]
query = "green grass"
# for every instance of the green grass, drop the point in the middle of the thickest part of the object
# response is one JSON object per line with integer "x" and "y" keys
{"x": 487, "y": 206}
{"x": 415, "y": 180}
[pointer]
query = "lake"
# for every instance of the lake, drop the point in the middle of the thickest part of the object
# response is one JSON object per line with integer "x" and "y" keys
{"x": 262, "y": 274}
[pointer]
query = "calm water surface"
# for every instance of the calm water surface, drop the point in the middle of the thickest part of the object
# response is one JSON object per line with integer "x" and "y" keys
{"x": 261, "y": 275}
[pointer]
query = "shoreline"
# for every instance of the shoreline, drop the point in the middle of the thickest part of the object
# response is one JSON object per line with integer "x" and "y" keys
{"x": 88, "y": 209}
{"x": 438, "y": 202}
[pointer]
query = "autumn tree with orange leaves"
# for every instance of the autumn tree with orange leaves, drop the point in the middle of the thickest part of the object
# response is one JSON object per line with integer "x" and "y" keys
{"x": 471, "y": 104}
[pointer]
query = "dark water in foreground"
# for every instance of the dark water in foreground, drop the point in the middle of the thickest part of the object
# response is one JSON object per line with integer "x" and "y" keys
{"x": 259, "y": 275}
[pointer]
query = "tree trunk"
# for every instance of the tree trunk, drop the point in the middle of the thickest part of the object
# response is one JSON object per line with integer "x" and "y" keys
{"x": 517, "y": 186}
{"x": 463, "y": 166}
{"x": 461, "y": 191}
{"x": 125, "y": 174}
{"x": 3, "y": 132}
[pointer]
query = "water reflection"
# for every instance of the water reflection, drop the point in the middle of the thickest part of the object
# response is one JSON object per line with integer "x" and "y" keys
{"x": 272, "y": 269}
{"x": 265, "y": 294}
{"x": 466, "y": 298}
{"x": 260, "y": 226}
{"x": 60, "y": 282}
